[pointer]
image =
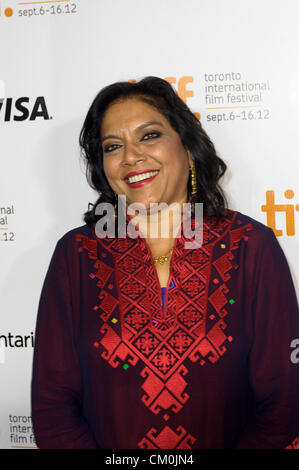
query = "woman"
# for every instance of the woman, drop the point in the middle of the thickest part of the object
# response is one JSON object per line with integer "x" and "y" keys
{"x": 142, "y": 342}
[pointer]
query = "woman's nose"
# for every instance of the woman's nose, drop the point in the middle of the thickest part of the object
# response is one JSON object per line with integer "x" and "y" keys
{"x": 132, "y": 153}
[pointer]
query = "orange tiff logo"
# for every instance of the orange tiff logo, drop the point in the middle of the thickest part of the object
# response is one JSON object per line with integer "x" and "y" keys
{"x": 289, "y": 209}
{"x": 181, "y": 85}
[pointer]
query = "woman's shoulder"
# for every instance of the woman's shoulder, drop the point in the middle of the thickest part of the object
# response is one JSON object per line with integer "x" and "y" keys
{"x": 241, "y": 219}
{"x": 68, "y": 241}
{"x": 72, "y": 233}
{"x": 255, "y": 231}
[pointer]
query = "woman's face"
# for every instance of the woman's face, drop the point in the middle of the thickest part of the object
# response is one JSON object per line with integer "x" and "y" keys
{"x": 138, "y": 142}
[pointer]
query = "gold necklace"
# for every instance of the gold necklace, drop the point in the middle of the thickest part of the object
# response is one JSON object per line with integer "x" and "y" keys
{"x": 163, "y": 258}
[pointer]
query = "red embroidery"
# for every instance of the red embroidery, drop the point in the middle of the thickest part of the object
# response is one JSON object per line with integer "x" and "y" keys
{"x": 163, "y": 340}
{"x": 108, "y": 304}
{"x": 294, "y": 444}
{"x": 167, "y": 439}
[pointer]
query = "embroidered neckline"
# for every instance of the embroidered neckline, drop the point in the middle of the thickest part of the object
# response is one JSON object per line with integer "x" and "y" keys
{"x": 193, "y": 326}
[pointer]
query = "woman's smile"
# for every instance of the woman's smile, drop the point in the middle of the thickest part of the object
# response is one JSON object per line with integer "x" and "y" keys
{"x": 139, "y": 179}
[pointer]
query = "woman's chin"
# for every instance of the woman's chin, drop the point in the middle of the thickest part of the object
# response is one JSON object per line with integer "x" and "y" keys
{"x": 145, "y": 206}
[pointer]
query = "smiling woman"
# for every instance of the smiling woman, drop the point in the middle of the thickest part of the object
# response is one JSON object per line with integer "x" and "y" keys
{"x": 142, "y": 342}
{"x": 146, "y": 125}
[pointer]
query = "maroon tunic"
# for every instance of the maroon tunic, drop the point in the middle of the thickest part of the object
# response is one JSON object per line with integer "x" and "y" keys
{"x": 113, "y": 370}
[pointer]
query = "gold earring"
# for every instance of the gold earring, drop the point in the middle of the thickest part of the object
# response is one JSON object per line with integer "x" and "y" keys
{"x": 193, "y": 177}
{"x": 115, "y": 205}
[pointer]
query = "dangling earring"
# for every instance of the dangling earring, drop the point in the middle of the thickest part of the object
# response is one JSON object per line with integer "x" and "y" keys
{"x": 193, "y": 184}
{"x": 115, "y": 205}
{"x": 193, "y": 178}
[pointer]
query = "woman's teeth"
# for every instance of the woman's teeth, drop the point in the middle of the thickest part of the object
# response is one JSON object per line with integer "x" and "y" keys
{"x": 143, "y": 176}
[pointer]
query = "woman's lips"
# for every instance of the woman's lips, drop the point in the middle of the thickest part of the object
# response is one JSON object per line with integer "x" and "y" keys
{"x": 139, "y": 184}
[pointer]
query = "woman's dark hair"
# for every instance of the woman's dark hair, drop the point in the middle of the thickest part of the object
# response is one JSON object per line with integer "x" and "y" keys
{"x": 159, "y": 94}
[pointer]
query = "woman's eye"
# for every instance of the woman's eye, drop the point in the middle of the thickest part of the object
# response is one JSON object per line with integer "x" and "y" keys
{"x": 110, "y": 148}
{"x": 151, "y": 135}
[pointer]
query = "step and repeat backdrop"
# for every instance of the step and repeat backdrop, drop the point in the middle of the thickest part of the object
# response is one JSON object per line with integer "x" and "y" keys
{"x": 234, "y": 63}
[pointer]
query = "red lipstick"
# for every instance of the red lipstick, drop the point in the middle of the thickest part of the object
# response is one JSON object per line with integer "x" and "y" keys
{"x": 139, "y": 184}
{"x": 133, "y": 173}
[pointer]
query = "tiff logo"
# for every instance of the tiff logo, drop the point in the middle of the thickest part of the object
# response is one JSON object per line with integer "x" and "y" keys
{"x": 289, "y": 209}
{"x": 182, "y": 85}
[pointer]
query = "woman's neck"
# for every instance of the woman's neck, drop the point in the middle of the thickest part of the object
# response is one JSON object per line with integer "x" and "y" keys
{"x": 160, "y": 227}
